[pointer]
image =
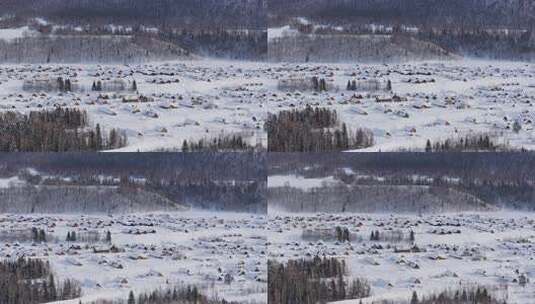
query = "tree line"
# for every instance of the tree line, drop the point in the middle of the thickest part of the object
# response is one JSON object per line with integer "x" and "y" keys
{"x": 462, "y": 13}
{"x": 78, "y": 48}
{"x": 171, "y": 168}
{"x": 221, "y": 43}
{"x": 38, "y": 235}
{"x": 236, "y": 196}
{"x": 319, "y": 280}
{"x": 83, "y": 199}
{"x": 30, "y": 281}
{"x": 499, "y": 179}
{"x": 88, "y": 237}
{"x": 482, "y": 42}
{"x": 471, "y": 142}
{"x": 407, "y": 198}
{"x": 462, "y": 295}
{"x": 340, "y": 234}
{"x": 394, "y": 236}
{"x": 58, "y": 130}
{"x": 222, "y": 143}
{"x": 313, "y": 130}
{"x": 161, "y": 13}
{"x": 176, "y": 295}
{"x": 396, "y": 168}
{"x": 148, "y": 181}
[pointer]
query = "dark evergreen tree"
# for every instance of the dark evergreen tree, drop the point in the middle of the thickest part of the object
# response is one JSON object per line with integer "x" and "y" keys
{"x": 131, "y": 298}
{"x": 414, "y": 298}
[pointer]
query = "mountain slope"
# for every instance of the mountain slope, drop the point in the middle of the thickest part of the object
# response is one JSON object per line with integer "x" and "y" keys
{"x": 220, "y": 13}
{"x": 82, "y": 199}
{"x": 376, "y": 198}
{"x": 438, "y": 12}
{"x": 353, "y": 48}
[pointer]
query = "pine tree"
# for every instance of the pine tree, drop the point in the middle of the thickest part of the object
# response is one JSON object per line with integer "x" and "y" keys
{"x": 345, "y": 137}
{"x": 52, "y": 286}
{"x": 414, "y": 299}
{"x": 68, "y": 85}
{"x": 341, "y": 286}
{"x": 42, "y": 236}
{"x": 389, "y": 85}
{"x": 346, "y": 234}
{"x": 323, "y": 85}
{"x": 338, "y": 231}
{"x": 66, "y": 290}
{"x": 131, "y": 299}
{"x": 98, "y": 137}
{"x": 46, "y": 295}
{"x": 464, "y": 296}
{"x": 315, "y": 83}
{"x": 428, "y": 147}
{"x": 35, "y": 234}
{"x": 92, "y": 141}
{"x": 61, "y": 84}
{"x": 113, "y": 139}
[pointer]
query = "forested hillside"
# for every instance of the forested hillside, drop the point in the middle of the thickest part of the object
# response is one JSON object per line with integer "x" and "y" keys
{"x": 490, "y": 29}
{"x": 515, "y": 13}
{"x": 375, "y": 198}
{"x": 83, "y": 199}
{"x": 129, "y": 31}
{"x": 202, "y": 13}
{"x": 112, "y": 183}
{"x": 350, "y": 48}
{"x": 89, "y": 49}
{"x": 403, "y": 182}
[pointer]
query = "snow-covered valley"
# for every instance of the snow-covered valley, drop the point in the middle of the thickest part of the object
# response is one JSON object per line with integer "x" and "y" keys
{"x": 492, "y": 249}
{"x": 157, "y": 105}
{"x": 403, "y": 105}
{"x": 223, "y": 254}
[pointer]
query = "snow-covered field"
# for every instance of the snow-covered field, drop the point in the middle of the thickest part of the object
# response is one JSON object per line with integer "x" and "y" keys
{"x": 11, "y": 34}
{"x": 493, "y": 249}
{"x": 184, "y": 100}
{"x": 204, "y": 98}
{"x": 156, "y": 250}
{"x": 439, "y": 100}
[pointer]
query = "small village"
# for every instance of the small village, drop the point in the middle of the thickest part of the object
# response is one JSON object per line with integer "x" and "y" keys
{"x": 157, "y": 105}
{"x": 406, "y": 104}
{"x": 223, "y": 254}
{"x": 399, "y": 254}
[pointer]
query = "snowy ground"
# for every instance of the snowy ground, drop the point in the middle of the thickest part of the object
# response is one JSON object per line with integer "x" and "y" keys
{"x": 187, "y": 100}
{"x": 204, "y": 98}
{"x": 466, "y": 96}
{"x": 189, "y": 248}
{"x": 493, "y": 249}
